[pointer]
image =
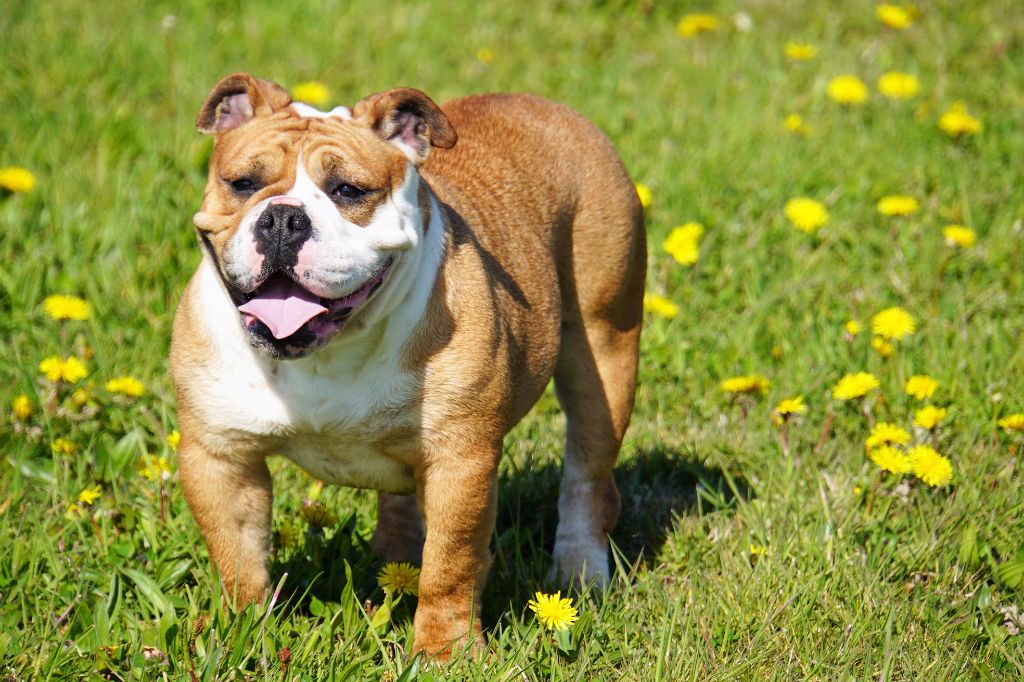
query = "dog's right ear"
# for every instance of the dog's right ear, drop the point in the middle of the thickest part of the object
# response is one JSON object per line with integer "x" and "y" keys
{"x": 238, "y": 98}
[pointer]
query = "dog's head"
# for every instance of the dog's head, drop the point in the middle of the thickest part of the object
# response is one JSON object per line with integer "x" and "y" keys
{"x": 309, "y": 215}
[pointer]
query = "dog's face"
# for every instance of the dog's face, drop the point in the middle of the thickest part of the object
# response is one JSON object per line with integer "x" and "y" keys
{"x": 309, "y": 215}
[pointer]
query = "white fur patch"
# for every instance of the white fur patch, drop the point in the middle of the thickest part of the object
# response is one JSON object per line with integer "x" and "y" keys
{"x": 306, "y": 111}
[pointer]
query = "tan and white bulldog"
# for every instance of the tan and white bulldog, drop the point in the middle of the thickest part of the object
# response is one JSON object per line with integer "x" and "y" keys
{"x": 384, "y": 292}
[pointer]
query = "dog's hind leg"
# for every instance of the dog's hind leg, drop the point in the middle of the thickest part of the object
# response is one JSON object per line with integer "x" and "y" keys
{"x": 399, "y": 534}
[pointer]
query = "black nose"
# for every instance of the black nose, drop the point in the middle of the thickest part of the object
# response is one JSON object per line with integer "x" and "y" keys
{"x": 280, "y": 232}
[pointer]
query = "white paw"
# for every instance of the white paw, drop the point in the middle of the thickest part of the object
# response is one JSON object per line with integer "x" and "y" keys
{"x": 578, "y": 561}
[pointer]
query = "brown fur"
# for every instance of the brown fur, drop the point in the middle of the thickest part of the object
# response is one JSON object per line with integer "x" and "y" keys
{"x": 542, "y": 277}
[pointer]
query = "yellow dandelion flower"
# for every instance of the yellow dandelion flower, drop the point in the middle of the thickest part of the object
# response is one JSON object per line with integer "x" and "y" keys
{"x": 921, "y": 386}
{"x": 315, "y": 489}
{"x": 929, "y": 416}
{"x": 931, "y": 467}
{"x": 882, "y": 347}
{"x": 787, "y": 409}
{"x": 794, "y": 123}
{"x": 72, "y": 370}
{"x": 801, "y": 52}
{"x": 1012, "y": 422}
{"x": 174, "y": 440}
{"x": 890, "y": 459}
{"x": 21, "y": 406}
{"x": 806, "y": 214}
{"x": 959, "y": 236}
{"x": 126, "y": 386}
{"x": 897, "y": 205}
{"x": 683, "y": 243}
{"x": 16, "y": 180}
{"x": 751, "y": 383}
{"x": 63, "y": 446}
{"x": 893, "y": 323}
{"x": 317, "y": 515}
{"x": 311, "y": 92}
{"x": 644, "y": 193}
{"x": 853, "y": 327}
{"x": 553, "y": 611}
{"x": 662, "y": 307}
{"x": 898, "y": 85}
{"x": 886, "y": 433}
{"x": 757, "y": 551}
{"x": 692, "y": 25}
{"x": 155, "y": 468}
{"x": 847, "y": 89}
{"x": 894, "y": 16}
{"x": 858, "y": 491}
{"x": 485, "y": 55}
{"x": 80, "y": 396}
{"x": 957, "y": 121}
{"x": 856, "y": 385}
{"x": 288, "y": 535}
{"x": 74, "y": 512}
{"x": 90, "y": 495}
{"x": 61, "y": 307}
{"x": 400, "y": 578}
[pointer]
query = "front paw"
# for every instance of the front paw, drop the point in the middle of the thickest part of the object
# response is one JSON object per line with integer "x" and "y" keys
{"x": 440, "y": 632}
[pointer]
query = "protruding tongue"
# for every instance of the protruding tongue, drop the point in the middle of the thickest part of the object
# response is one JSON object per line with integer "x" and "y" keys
{"x": 283, "y": 306}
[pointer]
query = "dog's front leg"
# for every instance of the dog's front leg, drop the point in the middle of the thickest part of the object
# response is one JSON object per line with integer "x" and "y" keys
{"x": 458, "y": 500}
{"x": 230, "y": 498}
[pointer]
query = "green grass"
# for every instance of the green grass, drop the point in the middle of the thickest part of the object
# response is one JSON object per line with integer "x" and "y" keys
{"x": 896, "y": 582}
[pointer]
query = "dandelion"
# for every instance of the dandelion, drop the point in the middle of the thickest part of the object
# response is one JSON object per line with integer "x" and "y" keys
{"x": 126, "y": 386}
{"x": 662, "y": 307}
{"x": 959, "y": 236}
{"x": 155, "y": 468}
{"x": 882, "y": 347}
{"x": 897, "y": 205}
{"x": 288, "y": 536}
{"x": 74, "y": 512}
{"x": 929, "y": 416}
{"x": 751, "y": 383}
{"x": 856, "y": 385}
{"x": 311, "y": 92}
{"x": 921, "y": 386}
{"x": 72, "y": 370}
{"x": 317, "y": 515}
{"x": 757, "y": 552}
{"x": 806, "y": 214}
{"x": 61, "y": 307}
{"x": 957, "y": 121}
{"x": 886, "y": 433}
{"x": 788, "y": 408}
{"x": 1012, "y": 422}
{"x": 692, "y": 25}
{"x": 931, "y": 467}
{"x": 644, "y": 193}
{"x": 80, "y": 396}
{"x": 63, "y": 446}
{"x": 890, "y": 459}
{"x": 847, "y": 89}
{"x": 485, "y": 55}
{"x": 21, "y": 406}
{"x": 683, "y": 243}
{"x": 794, "y": 123}
{"x": 893, "y": 323}
{"x": 16, "y": 180}
{"x": 894, "y": 16}
{"x": 315, "y": 489}
{"x": 88, "y": 496}
{"x": 801, "y": 52}
{"x": 553, "y": 611}
{"x": 174, "y": 439}
{"x": 400, "y": 578}
{"x": 853, "y": 327}
{"x": 898, "y": 85}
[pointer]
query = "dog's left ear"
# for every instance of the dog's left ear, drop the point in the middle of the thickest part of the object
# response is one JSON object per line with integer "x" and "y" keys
{"x": 238, "y": 98}
{"x": 408, "y": 119}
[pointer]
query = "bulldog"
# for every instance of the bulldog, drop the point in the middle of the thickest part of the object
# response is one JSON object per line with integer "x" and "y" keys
{"x": 384, "y": 291}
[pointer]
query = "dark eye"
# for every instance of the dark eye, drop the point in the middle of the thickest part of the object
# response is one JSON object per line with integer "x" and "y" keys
{"x": 346, "y": 191}
{"x": 244, "y": 185}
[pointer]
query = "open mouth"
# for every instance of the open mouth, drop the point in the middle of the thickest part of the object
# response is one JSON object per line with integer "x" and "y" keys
{"x": 291, "y": 318}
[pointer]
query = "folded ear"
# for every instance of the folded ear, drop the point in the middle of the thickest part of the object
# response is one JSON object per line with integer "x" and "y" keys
{"x": 238, "y": 98}
{"x": 408, "y": 119}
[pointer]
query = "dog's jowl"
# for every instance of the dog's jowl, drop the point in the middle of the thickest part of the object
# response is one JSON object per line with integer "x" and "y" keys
{"x": 383, "y": 293}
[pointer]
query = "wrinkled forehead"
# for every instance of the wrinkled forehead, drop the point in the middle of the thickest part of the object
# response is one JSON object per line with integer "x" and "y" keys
{"x": 329, "y": 144}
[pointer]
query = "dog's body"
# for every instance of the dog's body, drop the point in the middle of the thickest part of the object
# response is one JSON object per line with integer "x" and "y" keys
{"x": 451, "y": 285}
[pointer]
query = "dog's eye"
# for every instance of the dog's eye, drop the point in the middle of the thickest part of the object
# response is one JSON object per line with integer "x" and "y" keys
{"x": 244, "y": 185}
{"x": 346, "y": 191}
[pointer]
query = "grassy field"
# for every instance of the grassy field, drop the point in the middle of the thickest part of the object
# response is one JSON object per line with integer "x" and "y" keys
{"x": 735, "y": 560}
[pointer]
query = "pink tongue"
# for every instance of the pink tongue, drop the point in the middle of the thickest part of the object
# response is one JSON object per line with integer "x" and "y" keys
{"x": 283, "y": 306}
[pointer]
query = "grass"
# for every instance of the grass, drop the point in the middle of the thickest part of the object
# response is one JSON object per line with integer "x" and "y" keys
{"x": 863, "y": 577}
